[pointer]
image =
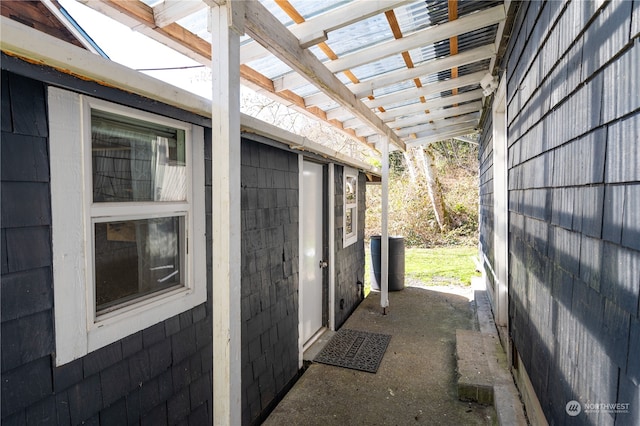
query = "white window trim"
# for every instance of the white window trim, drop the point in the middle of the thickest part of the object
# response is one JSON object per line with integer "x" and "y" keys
{"x": 77, "y": 330}
{"x": 348, "y": 239}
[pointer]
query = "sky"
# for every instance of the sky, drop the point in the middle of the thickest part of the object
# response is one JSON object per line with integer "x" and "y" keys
{"x": 138, "y": 51}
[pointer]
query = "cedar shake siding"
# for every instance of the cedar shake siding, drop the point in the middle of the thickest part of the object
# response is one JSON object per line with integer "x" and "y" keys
{"x": 160, "y": 375}
{"x": 349, "y": 260}
{"x": 573, "y": 117}
{"x": 269, "y": 204}
{"x": 486, "y": 201}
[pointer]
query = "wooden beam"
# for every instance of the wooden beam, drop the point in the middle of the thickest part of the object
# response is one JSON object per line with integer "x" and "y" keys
{"x": 426, "y": 90}
{"x": 435, "y": 115}
{"x": 397, "y": 33}
{"x": 19, "y": 40}
{"x": 314, "y": 30}
{"x": 419, "y": 107}
{"x": 291, "y": 11}
{"x": 366, "y": 88}
{"x": 464, "y": 127}
{"x": 271, "y": 33}
{"x": 418, "y": 39}
{"x": 252, "y": 51}
{"x": 226, "y": 229}
{"x": 139, "y": 16}
{"x": 170, "y": 11}
{"x": 438, "y": 124}
{"x": 342, "y": 17}
{"x": 426, "y": 140}
{"x": 421, "y": 38}
{"x": 384, "y": 227}
{"x": 453, "y": 41}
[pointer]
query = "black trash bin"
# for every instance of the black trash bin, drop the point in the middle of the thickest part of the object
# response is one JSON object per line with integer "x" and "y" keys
{"x": 396, "y": 262}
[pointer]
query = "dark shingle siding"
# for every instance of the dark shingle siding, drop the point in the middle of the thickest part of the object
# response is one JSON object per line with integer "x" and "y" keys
{"x": 129, "y": 381}
{"x": 485, "y": 179}
{"x": 574, "y": 260}
{"x": 269, "y": 285}
{"x": 349, "y": 267}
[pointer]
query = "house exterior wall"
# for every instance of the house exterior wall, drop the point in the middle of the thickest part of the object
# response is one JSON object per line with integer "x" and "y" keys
{"x": 270, "y": 262}
{"x": 349, "y": 261}
{"x": 486, "y": 210}
{"x": 269, "y": 204}
{"x": 573, "y": 114}
{"x": 160, "y": 375}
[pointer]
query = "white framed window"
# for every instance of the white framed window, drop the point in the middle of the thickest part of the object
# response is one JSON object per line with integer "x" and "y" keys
{"x": 350, "y": 225}
{"x": 128, "y": 225}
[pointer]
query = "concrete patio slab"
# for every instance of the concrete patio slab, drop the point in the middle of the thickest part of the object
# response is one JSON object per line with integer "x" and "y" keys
{"x": 416, "y": 381}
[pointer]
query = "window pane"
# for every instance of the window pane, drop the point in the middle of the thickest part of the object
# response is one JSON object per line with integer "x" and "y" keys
{"x": 137, "y": 257}
{"x": 349, "y": 221}
{"x": 350, "y": 189}
{"x": 135, "y": 160}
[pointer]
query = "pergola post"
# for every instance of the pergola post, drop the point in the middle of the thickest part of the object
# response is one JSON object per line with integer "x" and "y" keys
{"x": 384, "y": 243}
{"x": 225, "y": 120}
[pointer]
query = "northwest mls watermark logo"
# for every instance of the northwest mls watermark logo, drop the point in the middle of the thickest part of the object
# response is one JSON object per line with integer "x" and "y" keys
{"x": 573, "y": 408}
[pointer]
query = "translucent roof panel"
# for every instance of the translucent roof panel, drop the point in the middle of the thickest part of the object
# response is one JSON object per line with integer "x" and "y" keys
{"x": 417, "y": 16}
{"x": 307, "y": 8}
{"x": 474, "y": 67}
{"x": 467, "y": 6}
{"x": 197, "y": 24}
{"x": 461, "y": 90}
{"x": 381, "y": 66}
{"x": 310, "y": 8}
{"x": 362, "y": 34}
{"x": 270, "y": 66}
{"x": 462, "y": 70}
{"x": 423, "y": 54}
{"x": 411, "y": 101}
{"x": 477, "y": 38}
{"x": 318, "y": 53}
{"x": 409, "y": 84}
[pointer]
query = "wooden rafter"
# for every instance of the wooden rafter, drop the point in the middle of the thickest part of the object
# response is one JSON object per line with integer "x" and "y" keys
{"x": 291, "y": 11}
{"x": 453, "y": 41}
{"x": 440, "y": 124}
{"x": 438, "y": 136}
{"x": 420, "y": 38}
{"x": 435, "y": 115}
{"x": 426, "y": 90}
{"x": 268, "y": 31}
{"x": 314, "y": 30}
{"x": 366, "y": 88}
{"x": 137, "y": 14}
{"x": 436, "y": 103}
{"x": 397, "y": 34}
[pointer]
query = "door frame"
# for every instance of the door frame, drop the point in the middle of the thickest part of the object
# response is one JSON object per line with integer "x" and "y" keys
{"x": 327, "y": 254}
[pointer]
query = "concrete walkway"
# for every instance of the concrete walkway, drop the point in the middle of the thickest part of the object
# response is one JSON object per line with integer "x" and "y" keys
{"x": 416, "y": 381}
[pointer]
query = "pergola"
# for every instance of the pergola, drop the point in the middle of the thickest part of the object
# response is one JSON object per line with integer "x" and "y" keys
{"x": 388, "y": 73}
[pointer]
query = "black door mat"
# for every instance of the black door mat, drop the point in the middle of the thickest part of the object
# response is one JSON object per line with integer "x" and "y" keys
{"x": 357, "y": 350}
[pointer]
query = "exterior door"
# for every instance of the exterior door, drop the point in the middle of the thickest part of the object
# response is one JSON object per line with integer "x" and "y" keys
{"x": 311, "y": 273}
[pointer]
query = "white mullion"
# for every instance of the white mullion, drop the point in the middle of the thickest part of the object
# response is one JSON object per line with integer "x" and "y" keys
{"x": 138, "y": 210}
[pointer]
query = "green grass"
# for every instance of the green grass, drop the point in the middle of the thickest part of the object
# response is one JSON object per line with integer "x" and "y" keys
{"x": 435, "y": 266}
{"x": 448, "y": 262}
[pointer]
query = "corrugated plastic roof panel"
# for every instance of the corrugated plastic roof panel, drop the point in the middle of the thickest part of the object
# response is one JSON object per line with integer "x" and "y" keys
{"x": 372, "y": 31}
{"x": 354, "y": 37}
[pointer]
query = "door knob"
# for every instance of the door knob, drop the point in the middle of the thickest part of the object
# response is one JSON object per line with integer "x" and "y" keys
{"x": 323, "y": 264}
